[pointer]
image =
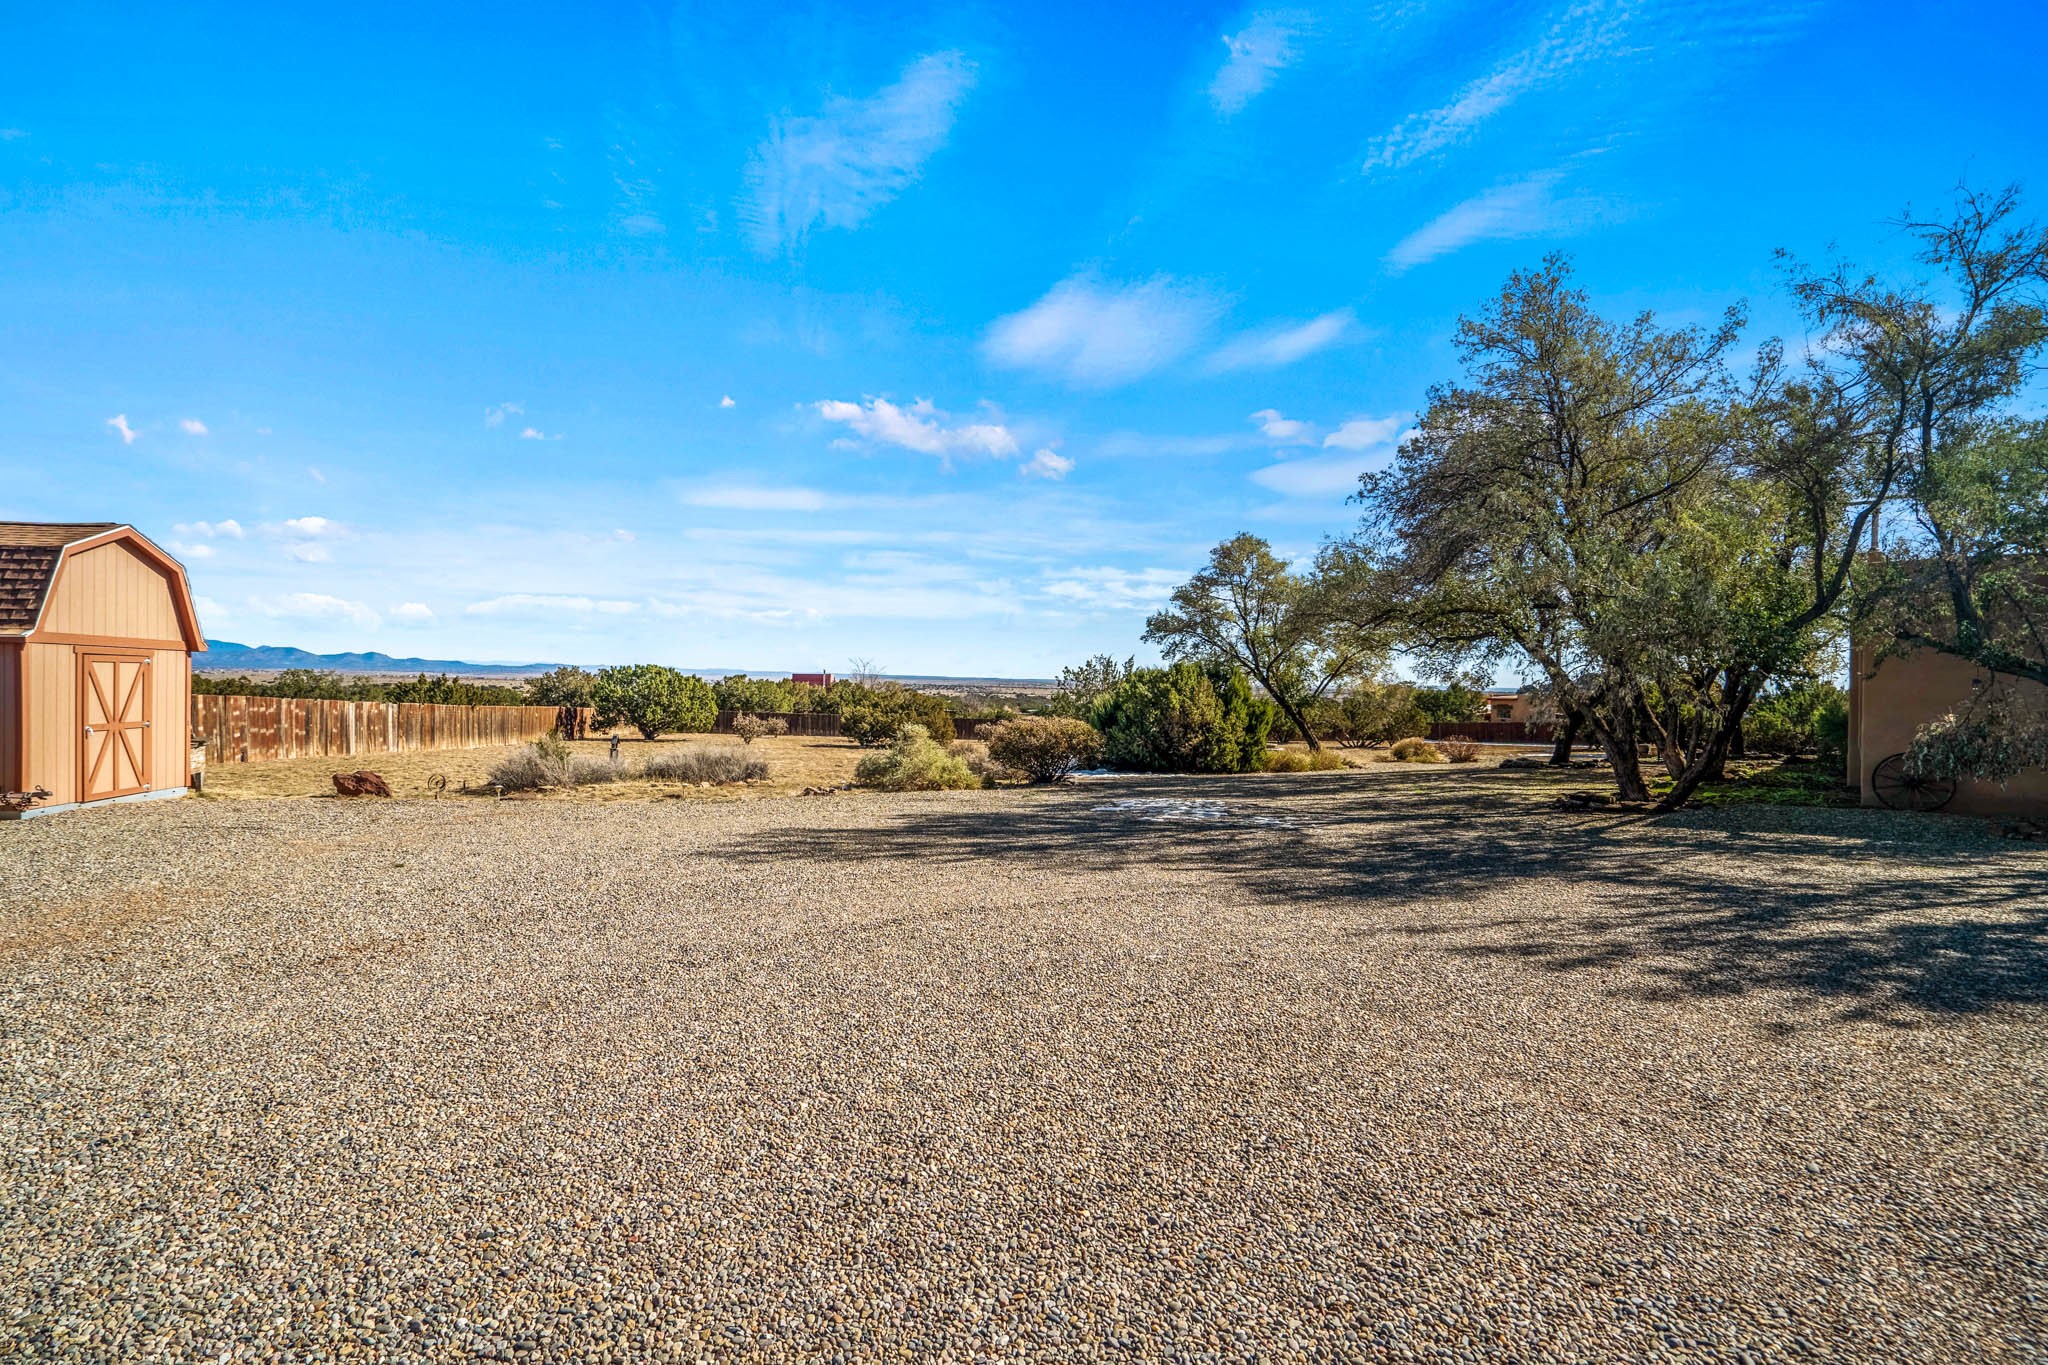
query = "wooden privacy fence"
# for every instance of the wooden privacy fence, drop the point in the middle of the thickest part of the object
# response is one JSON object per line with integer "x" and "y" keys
{"x": 1494, "y": 731}
{"x": 825, "y": 724}
{"x": 258, "y": 729}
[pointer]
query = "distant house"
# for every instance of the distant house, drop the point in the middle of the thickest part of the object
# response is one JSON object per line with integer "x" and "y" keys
{"x": 97, "y": 632}
{"x": 812, "y": 679}
{"x": 1507, "y": 704}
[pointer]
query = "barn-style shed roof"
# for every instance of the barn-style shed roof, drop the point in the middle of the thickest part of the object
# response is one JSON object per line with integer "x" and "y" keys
{"x": 32, "y": 552}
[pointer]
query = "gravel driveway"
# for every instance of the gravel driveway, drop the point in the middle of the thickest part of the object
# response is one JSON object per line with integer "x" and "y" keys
{"x": 1354, "y": 1066}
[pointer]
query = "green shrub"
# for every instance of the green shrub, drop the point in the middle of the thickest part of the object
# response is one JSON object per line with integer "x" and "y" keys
{"x": 742, "y": 693}
{"x": 873, "y": 715}
{"x": 1045, "y": 748}
{"x": 1302, "y": 761}
{"x": 914, "y": 762}
{"x": 1415, "y": 750}
{"x": 1184, "y": 719}
{"x": 974, "y": 754}
{"x": 1790, "y": 720}
{"x": 653, "y": 699}
{"x": 720, "y": 763}
{"x": 1451, "y": 705}
{"x": 560, "y": 687}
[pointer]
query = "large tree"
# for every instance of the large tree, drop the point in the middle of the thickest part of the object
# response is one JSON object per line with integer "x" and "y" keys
{"x": 1248, "y": 609}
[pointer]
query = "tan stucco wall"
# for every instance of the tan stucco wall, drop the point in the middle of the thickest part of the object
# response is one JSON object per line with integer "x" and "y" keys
{"x": 1890, "y": 700}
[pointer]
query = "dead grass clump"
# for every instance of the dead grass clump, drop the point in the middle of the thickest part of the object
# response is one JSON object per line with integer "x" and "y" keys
{"x": 1302, "y": 761}
{"x": 1415, "y": 751}
{"x": 750, "y": 728}
{"x": 1458, "y": 750}
{"x": 975, "y": 755}
{"x": 538, "y": 767}
{"x": 717, "y": 763}
{"x": 586, "y": 771}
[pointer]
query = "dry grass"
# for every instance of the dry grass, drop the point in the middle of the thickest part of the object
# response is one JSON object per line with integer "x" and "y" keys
{"x": 793, "y": 764}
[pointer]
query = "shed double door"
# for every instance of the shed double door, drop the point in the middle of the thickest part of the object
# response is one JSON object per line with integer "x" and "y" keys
{"x": 113, "y": 707}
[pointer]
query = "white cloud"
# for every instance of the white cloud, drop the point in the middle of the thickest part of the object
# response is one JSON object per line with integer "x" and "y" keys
{"x": 1360, "y": 432}
{"x": 1257, "y": 53}
{"x": 311, "y": 526}
{"x": 209, "y": 610}
{"x": 191, "y": 426}
{"x": 623, "y": 536}
{"x": 920, "y": 427}
{"x": 726, "y": 402}
{"x": 838, "y": 166}
{"x": 12, "y": 134}
{"x": 316, "y": 606}
{"x": 1582, "y": 32}
{"x": 230, "y": 529}
{"x": 495, "y": 417}
{"x": 1272, "y": 347}
{"x": 309, "y": 552}
{"x": 412, "y": 613}
{"x": 1113, "y": 589}
{"x": 532, "y": 434}
{"x": 1046, "y": 463}
{"x": 119, "y": 422}
{"x": 191, "y": 550}
{"x": 549, "y": 604}
{"x": 1522, "y": 208}
{"x": 1318, "y": 477}
{"x": 749, "y": 499}
{"x": 313, "y": 473}
{"x": 1099, "y": 335}
{"x": 1285, "y": 430}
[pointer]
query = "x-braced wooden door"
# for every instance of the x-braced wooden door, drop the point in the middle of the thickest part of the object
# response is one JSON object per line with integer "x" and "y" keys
{"x": 113, "y": 702}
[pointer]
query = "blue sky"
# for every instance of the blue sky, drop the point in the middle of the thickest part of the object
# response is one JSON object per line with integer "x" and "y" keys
{"x": 951, "y": 337}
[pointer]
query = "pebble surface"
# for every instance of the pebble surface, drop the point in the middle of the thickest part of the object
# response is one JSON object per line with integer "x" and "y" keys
{"x": 1351, "y": 1067}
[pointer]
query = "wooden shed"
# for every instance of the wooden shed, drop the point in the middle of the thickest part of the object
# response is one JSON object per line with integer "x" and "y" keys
{"x": 96, "y": 638}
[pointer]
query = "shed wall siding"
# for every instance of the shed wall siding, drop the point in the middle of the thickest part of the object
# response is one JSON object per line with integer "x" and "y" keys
{"x": 111, "y": 591}
{"x": 10, "y": 716}
{"x": 52, "y": 674}
{"x": 170, "y": 729}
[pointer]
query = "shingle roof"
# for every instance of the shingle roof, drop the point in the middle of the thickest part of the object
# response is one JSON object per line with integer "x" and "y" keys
{"x": 29, "y": 551}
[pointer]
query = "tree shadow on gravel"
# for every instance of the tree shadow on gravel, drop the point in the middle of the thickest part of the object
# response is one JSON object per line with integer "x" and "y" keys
{"x": 1869, "y": 911}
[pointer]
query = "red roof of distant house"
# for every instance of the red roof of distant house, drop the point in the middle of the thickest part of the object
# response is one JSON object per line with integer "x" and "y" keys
{"x": 814, "y": 679}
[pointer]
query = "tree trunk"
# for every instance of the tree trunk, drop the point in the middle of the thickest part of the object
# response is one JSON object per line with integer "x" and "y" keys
{"x": 1561, "y": 746}
{"x": 1711, "y": 761}
{"x": 1295, "y": 718}
{"x": 1618, "y": 740}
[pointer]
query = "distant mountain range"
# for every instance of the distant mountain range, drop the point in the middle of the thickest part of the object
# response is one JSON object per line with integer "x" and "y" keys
{"x": 225, "y": 656}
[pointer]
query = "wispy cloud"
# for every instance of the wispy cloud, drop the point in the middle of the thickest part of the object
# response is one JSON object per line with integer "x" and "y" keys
{"x": 1521, "y": 208}
{"x": 311, "y": 526}
{"x": 550, "y": 604}
{"x": 920, "y": 427}
{"x": 1578, "y": 34}
{"x": 726, "y": 402}
{"x": 1256, "y": 53}
{"x": 495, "y": 416}
{"x": 1359, "y": 433}
{"x": 1269, "y": 348}
{"x": 536, "y": 434}
{"x": 413, "y": 614}
{"x": 839, "y": 165}
{"x": 226, "y": 529}
{"x": 1315, "y": 478}
{"x": 317, "y": 606}
{"x": 1283, "y": 430}
{"x": 1046, "y": 463}
{"x": 1113, "y": 589}
{"x": 1098, "y": 335}
{"x": 119, "y": 425}
{"x": 745, "y": 498}
{"x": 191, "y": 426}
{"x": 12, "y": 134}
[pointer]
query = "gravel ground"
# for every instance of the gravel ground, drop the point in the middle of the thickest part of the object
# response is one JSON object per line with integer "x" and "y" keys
{"x": 1374, "y": 1065}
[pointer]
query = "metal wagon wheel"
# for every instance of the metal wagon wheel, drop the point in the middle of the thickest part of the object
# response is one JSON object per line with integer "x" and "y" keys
{"x": 1903, "y": 790}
